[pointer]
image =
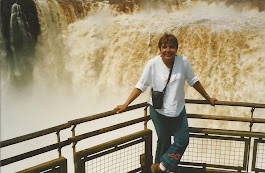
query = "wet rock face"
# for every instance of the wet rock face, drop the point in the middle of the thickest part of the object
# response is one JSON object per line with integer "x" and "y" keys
{"x": 19, "y": 31}
{"x": 30, "y": 14}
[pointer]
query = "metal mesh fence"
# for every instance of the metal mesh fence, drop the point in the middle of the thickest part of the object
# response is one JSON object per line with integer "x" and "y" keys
{"x": 121, "y": 161}
{"x": 214, "y": 151}
{"x": 54, "y": 166}
{"x": 131, "y": 153}
{"x": 260, "y": 156}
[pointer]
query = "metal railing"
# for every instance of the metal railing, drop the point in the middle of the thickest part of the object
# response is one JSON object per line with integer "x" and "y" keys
{"x": 242, "y": 137}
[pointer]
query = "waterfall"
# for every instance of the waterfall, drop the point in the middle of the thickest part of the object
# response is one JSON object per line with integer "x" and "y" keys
{"x": 89, "y": 55}
{"x": 98, "y": 49}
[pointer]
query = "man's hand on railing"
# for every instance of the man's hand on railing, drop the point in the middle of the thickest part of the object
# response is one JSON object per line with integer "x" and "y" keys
{"x": 135, "y": 93}
{"x": 212, "y": 101}
{"x": 120, "y": 108}
{"x": 198, "y": 86}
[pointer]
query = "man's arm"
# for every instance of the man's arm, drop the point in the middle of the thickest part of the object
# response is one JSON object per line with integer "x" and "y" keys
{"x": 198, "y": 86}
{"x": 135, "y": 93}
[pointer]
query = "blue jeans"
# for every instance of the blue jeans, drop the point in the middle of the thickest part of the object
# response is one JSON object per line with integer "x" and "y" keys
{"x": 170, "y": 154}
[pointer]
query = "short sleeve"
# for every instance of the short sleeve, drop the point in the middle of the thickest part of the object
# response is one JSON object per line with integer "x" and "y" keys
{"x": 190, "y": 75}
{"x": 146, "y": 78}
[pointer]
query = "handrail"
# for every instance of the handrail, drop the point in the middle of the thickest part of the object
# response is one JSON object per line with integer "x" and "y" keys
{"x": 35, "y": 152}
{"x": 226, "y": 118}
{"x": 104, "y": 114}
{"x": 34, "y": 135}
{"x": 227, "y": 132}
{"x": 110, "y": 128}
{"x": 65, "y": 126}
{"x": 71, "y": 140}
{"x": 227, "y": 103}
{"x": 140, "y": 105}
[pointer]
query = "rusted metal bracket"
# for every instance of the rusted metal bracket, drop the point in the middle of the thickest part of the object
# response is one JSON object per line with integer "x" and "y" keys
{"x": 73, "y": 135}
{"x": 251, "y": 123}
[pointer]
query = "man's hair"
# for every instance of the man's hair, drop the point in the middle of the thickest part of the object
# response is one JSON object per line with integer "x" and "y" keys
{"x": 168, "y": 38}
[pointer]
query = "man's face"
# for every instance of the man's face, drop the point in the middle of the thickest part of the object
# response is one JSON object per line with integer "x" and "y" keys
{"x": 168, "y": 51}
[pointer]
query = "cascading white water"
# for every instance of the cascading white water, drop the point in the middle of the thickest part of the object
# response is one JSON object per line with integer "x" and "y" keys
{"x": 89, "y": 56}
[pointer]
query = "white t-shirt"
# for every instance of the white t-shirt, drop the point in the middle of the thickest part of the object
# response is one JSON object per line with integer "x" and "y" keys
{"x": 156, "y": 73}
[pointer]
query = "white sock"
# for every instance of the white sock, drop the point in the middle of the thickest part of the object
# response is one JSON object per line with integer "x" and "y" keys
{"x": 162, "y": 167}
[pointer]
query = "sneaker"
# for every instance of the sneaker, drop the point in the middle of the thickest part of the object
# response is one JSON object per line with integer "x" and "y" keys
{"x": 155, "y": 168}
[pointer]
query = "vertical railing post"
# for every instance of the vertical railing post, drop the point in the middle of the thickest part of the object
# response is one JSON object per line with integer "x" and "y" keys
{"x": 246, "y": 153}
{"x": 145, "y": 114}
{"x": 254, "y": 157}
{"x": 249, "y": 146}
{"x": 59, "y": 140}
{"x": 148, "y": 153}
{"x": 146, "y": 159}
{"x": 74, "y": 150}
